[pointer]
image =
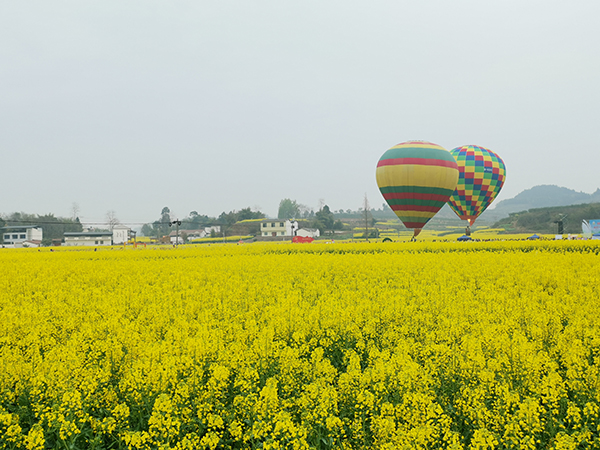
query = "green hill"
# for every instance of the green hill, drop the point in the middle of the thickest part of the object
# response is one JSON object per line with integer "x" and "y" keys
{"x": 541, "y": 197}
{"x": 541, "y": 220}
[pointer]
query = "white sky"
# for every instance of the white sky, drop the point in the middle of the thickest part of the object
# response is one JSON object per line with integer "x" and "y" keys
{"x": 212, "y": 106}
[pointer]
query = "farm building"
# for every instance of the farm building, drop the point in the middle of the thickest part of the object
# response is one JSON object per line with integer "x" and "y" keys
{"x": 193, "y": 234}
{"x": 88, "y": 238}
{"x": 122, "y": 234}
{"x": 119, "y": 235}
{"x": 278, "y": 227}
{"x": 308, "y": 232}
{"x": 16, "y": 236}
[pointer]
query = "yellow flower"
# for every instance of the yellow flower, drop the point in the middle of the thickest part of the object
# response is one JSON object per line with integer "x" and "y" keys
{"x": 420, "y": 345}
{"x": 35, "y": 438}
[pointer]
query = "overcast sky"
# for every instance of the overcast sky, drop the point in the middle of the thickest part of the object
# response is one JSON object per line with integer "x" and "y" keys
{"x": 213, "y": 106}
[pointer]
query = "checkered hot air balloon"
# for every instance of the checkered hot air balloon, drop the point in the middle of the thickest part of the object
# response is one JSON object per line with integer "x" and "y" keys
{"x": 416, "y": 178}
{"x": 482, "y": 175}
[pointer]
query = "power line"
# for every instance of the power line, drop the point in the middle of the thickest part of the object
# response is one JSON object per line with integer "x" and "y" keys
{"x": 43, "y": 222}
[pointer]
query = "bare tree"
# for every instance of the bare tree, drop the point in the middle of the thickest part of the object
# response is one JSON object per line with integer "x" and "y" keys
{"x": 75, "y": 210}
{"x": 111, "y": 219}
{"x": 304, "y": 210}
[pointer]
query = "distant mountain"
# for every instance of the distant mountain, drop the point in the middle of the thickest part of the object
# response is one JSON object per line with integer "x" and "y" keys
{"x": 542, "y": 196}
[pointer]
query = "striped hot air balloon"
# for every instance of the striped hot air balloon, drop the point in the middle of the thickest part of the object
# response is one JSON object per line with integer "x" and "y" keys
{"x": 416, "y": 178}
{"x": 482, "y": 175}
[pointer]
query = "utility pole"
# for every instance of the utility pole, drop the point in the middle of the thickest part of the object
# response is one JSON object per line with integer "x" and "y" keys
{"x": 176, "y": 223}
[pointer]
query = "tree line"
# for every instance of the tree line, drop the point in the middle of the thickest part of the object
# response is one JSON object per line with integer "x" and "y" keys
{"x": 196, "y": 221}
{"x": 324, "y": 219}
{"x": 52, "y": 227}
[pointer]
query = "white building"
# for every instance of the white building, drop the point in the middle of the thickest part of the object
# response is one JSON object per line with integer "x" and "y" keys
{"x": 174, "y": 235}
{"x": 209, "y": 230}
{"x": 191, "y": 234}
{"x": 88, "y": 238}
{"x": 122, "y": 234}
{"x": 15, "y": 236}
{"x": 194, "y": 234}
{"x": 32, "y": 244}
{"x": 278, "y": 227}
{"x": 308, "y": 232}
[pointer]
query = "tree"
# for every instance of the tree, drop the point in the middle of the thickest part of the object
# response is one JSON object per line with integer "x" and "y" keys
{"x": 75, "y": 210}
{"x": 195, "y": 221}
{"x": 76, "y": 227}
{"x": 248, "y": 214}
{"x": 366, "y": 216}
{"x": 288, "y": 209}
{"x": 305, "y": 211}
{"x": 159, "y": 227}
{"x": 111, "y": 219}
{"x": 228, "y": 219}
{"x": 324, "y": 219}
{"x": 236, "y": 216}
{"x": 147, "y": 230}
{"x": 165, "y": 221}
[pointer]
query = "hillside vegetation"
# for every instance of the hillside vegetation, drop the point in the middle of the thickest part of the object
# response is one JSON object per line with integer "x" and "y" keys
{"x": 541, "y": 220}
{"x": 542, "y": 196}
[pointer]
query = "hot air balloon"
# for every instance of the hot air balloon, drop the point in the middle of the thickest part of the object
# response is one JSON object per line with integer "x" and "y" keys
{"x": 482, "y": 175}
{"x": 416, "y": 178}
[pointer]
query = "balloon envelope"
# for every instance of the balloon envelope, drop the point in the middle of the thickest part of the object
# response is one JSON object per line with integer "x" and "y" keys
{"x": 482, "y": 175}
{"x": 416, "y": 179}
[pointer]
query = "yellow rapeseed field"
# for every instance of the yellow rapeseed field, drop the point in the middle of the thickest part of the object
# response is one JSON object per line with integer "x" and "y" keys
{"x": 310, "y": 346}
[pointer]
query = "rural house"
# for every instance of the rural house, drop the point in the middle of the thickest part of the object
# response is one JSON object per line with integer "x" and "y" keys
{"x": 88, "y": 238}
{"x": 21, "y": 236}
{"x": 278, "y": 227}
